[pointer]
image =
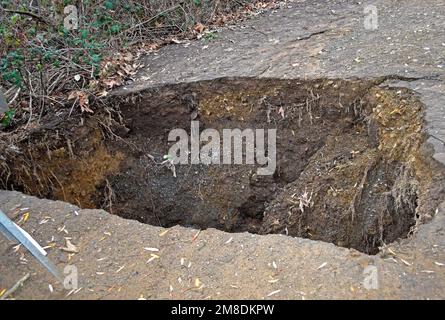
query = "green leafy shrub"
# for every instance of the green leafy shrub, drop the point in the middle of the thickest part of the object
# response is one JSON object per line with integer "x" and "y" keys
{"x": 39, "y": 56}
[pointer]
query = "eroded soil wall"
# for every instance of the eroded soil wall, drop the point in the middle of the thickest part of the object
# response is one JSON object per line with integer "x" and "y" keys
{"x": 351, "y": 165}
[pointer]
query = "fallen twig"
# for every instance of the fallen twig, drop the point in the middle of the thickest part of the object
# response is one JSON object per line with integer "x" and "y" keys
{"x": 29, "y": 14}
{"x": 15, "y": 287}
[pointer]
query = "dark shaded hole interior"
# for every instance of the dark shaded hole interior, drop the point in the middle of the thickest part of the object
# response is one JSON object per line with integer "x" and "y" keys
{"x": 331, "y": 182}
{"x": 334, "y": 180}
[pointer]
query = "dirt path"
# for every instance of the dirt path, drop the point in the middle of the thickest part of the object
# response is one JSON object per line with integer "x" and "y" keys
{"x": 124, "y": 259}
{"x": 112, "y": 261}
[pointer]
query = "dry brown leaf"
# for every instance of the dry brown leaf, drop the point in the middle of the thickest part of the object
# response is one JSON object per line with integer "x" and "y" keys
{"x": 128, "y": 57}
{"x": 69, "y": 247}
{"x": 111, "y": 83}
{"x": 73, "y": 95}
{"x": 102, "y": 94}
{"x": 84, "y": 102}
{"x": 199, "y": 27}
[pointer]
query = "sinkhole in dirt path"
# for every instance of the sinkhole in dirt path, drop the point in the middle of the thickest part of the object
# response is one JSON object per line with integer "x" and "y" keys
{"x": 349, "y": 167}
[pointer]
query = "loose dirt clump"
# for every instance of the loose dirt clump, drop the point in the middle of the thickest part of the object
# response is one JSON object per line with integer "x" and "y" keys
{"x": 351, "y": 167}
